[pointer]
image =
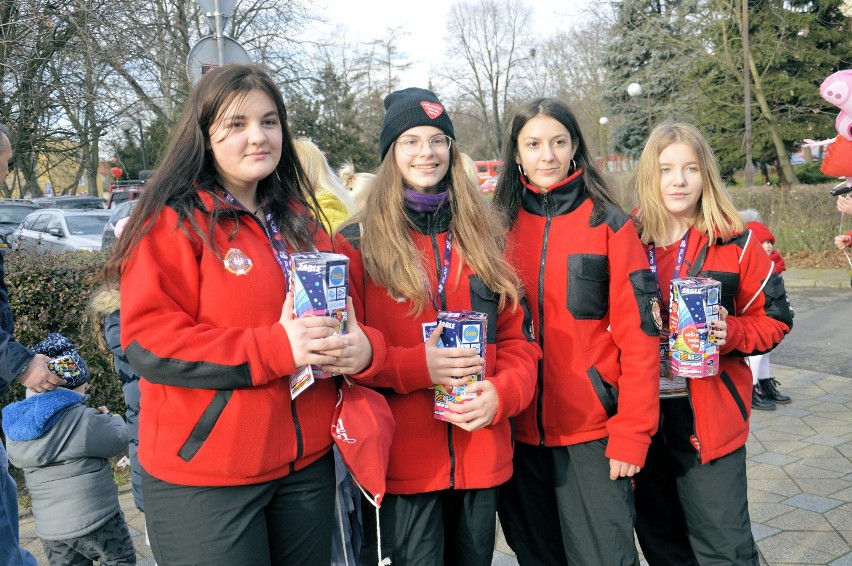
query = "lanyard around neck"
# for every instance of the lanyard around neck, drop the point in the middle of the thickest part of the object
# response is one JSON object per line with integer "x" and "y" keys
{"x": 445, "y": 270}
{"x": 274, "y": 234}
{"x": 681, "y": 256}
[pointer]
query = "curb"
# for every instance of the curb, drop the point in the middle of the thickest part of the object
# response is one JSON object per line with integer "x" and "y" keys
{"x": 809, "y": 283}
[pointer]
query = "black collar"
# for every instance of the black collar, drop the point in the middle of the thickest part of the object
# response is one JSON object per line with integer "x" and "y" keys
{"x": 557, "y": 202}
{"x": 436, "y": 222}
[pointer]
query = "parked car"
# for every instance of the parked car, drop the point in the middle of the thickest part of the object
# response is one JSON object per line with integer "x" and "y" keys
{"x": 488, "y": 187}
{"x": 120, "y": 211}
{"x": 56, "y": 230}
{"x": 79, "y": 202}
{"x": 11, "y": 216}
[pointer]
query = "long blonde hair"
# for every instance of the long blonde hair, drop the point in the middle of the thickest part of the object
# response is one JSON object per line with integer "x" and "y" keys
{"x": 716, "y": 214}
{"x": 393, "y": 261}
{"x": 319, "y": 172}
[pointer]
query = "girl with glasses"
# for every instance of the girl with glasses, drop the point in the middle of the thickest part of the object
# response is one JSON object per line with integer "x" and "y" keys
{"x": 426, "y": 242}
{"x": 596, "y": 315}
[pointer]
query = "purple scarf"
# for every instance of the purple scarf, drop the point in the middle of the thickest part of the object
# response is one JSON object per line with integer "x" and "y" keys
{"x": 422, "y": 202}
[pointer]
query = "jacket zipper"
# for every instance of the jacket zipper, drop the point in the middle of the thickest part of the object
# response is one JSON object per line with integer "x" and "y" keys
{"x": 443, "y": 299}
{"x": 540, "y": 399}
{"x": 694, "y": 425}
{"x": 296, "y": 426}
{"x": 298, "y": 430}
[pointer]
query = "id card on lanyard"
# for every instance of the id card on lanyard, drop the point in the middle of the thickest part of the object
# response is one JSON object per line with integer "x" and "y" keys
{"x": 670, "y": 386}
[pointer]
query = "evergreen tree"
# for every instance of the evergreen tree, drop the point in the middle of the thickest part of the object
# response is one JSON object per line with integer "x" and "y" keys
{"x": 328, "y": 117}
{"x": 649, "y": 45}
{"x": 794, "y": 46}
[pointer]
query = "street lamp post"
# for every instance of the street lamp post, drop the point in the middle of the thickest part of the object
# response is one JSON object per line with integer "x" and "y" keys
{"x": 603, "y": 121}
{"x": 635, "y": 90}
{"x": 127, "y": 125}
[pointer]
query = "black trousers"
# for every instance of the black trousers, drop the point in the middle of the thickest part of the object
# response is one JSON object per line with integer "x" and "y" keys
{"x": 688, "y": 513}
{"x": 450, "y": 527}
{"x": 284, "y": 522}
{"x": 560, "y": 508}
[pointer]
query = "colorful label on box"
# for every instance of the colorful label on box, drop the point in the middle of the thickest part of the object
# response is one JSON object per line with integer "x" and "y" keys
{"x": 320, "y": 284}
{"x": 694, "y": 304}
{"x": 462, "y": 329}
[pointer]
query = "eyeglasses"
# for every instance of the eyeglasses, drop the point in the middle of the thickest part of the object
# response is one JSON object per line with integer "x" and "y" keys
{"x": 411, "y": 145}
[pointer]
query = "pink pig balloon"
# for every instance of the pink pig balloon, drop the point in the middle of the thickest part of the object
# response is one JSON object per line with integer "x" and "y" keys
{"x": 837, "y": 89}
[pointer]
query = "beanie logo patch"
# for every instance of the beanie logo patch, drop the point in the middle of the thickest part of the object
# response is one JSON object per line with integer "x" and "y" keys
{"x": 432, "y": 109}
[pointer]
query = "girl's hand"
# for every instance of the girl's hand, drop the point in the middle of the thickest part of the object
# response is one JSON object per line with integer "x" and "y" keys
{"x": 311, "y": 337}
{"x": 844, "y": 204}
{"x": 843, "y": 242}
{"x": 719, "y": 328}
{"x": 619, "y": 469}
{"x": 450, "y": 366}
{"x": 356, "y": 354}
{"x": 475, "y": 413}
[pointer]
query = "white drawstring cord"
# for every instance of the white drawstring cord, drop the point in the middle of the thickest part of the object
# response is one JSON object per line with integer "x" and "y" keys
{"x": 382, "y": 561}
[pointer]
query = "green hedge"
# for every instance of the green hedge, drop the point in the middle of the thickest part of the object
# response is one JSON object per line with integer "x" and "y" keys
{"x": 50, "y": 293}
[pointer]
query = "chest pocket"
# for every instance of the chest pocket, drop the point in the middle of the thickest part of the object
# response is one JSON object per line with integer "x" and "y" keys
{"x": 483, "y": 299}
{"x": 588, "y": 286}
{"x": 730, "y": 283}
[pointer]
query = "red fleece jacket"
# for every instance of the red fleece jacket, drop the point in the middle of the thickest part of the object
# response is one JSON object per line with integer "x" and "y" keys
{"x": 592, "y": 296}
{"x": 428, "y": 454}
{"x": 202, "y": 330}
{"x": 759, "y": 317}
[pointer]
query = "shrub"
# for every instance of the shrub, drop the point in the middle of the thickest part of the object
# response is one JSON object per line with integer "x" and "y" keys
{"x": 50, "y": 293}
{"x": 810, "y": 174}
{"x": 803, "y": 218}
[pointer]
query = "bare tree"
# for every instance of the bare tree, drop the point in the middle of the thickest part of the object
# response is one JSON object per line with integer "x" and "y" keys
{"x": 489, "y": 36}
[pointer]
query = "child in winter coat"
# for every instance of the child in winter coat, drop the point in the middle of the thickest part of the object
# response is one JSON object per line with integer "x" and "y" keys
{"x": 62, "y": 447}
{"x": 765, "y": 393}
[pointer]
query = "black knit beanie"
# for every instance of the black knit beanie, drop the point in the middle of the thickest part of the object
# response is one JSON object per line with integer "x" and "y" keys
{"x": 409, "y": 108}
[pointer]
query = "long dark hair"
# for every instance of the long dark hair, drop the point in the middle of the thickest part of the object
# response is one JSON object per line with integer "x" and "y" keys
{"x": 507, "y": 196}
{"x": 188, "y": 166}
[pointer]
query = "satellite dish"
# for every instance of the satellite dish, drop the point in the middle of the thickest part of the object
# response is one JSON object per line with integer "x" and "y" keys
{"x": 204, "y": 56}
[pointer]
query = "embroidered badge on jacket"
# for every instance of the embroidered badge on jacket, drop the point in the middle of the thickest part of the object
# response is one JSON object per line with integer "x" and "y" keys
{"x": 237, "y": 262}
{"x": 655, "y": 312}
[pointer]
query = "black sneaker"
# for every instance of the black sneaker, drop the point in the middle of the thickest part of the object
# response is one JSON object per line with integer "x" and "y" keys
{"x": 759, "y": 400}
{"x": 770, "y": 391}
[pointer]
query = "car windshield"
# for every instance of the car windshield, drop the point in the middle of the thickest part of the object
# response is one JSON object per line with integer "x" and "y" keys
{"x": 86, "y": 225}
{"x": 13, "y": 215}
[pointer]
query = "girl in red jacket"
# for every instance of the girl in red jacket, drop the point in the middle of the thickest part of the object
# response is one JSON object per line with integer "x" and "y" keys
{"x": 596, "y": 317}
{"x": 235, "y": 471}
{"x": 691, "y": 497}
{"x": 426, "y": 242}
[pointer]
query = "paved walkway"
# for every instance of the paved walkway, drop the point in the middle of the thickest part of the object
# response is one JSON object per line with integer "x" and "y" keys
{"x": 799, "y": 473}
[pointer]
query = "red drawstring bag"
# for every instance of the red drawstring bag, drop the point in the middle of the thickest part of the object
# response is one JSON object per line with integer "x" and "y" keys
{"x": 362, "y": 429}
